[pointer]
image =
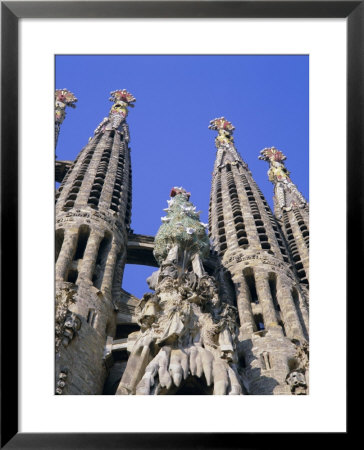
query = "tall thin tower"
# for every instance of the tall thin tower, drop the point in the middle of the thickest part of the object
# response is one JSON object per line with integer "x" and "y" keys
{"x": 63, "y": 98}
{"x": 254, "y": 257}
{"x": 291, "y": 210}
{"x": 93, "y": 211}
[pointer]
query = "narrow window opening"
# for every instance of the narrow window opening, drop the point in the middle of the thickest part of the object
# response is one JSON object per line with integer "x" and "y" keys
{"x": 283, "y": 329}
{"x": 91, "y": 317}
{"x": 102, "y": 255}
{"x": 231, "y": 290}
{"x": 259, "y": 322}
{"x": 72, "y": 275}
{"x": 59, "y": 241}
{"x": 83, "y": 235}
{"x": 250, "y": 281}
{"x": 273, "y": 290}
{"x": 123, "y": 330}
{"x": 265, "y": 361}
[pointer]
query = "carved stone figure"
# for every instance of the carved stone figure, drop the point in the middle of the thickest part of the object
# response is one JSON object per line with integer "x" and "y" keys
{"x": 61, "y": 383}
{"x": 297, "y": 382}
{"x": 71, "y": 325}
{"x": 64, "y": 333}
{"x": 184, "y": 330}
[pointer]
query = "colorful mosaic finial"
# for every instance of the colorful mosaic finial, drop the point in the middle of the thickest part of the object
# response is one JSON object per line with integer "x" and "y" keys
{"x": 63, "y": 98}
{"x": 122, "y": 95}
{"x": 286, "y": 192}
{"x": 277, "y": 171}
{"x": 221, "y": 123}
{"x": 271, "y": 154}
{"x": 122, "y": 100}
{"x": 225, "y": 128}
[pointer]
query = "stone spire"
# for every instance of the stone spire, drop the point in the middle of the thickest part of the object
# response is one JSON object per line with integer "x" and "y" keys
{"x": 224, "y": 143}
{"x": 187, "y": 341}
{"x": 93, "y": 213}
{"x": 255, "y": 270}
{"x": 63, "y": 98}
{"x": 291, "y": 210}
{"x": 286, "y": 193}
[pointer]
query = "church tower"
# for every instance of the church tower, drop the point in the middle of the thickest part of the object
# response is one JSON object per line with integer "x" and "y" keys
{"x": 255, "y": 266}
{"x": 291, "y": 210}
{"x": 63, "y": 98}
{"x": 93, "y": 211}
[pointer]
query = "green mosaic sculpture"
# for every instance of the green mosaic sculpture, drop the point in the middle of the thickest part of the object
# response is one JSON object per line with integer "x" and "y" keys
{"x": 181, "y": 228}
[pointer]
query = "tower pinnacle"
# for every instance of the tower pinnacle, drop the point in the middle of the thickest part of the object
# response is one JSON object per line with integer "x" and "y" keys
{"x": 225, "y": 128}
{"x": 63, "y": 98}
{"x": 286, "y": 192}
{"x": 122, "y": 100}
{"x": 224, "y": 142}
{"x": 291, "y": 209}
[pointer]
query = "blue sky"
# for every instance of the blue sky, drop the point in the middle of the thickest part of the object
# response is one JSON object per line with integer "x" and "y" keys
{"x": 265, "y": 97}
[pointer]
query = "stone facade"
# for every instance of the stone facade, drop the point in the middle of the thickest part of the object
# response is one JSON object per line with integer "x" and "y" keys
{"x": 230, "y": 318}
{"x": 93, "y": 209}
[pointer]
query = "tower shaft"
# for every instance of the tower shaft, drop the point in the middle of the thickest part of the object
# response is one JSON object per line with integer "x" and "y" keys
{"x": 255, "y": 262}
{"x": 93, "y": 213}
{"x": 291, "y": 210}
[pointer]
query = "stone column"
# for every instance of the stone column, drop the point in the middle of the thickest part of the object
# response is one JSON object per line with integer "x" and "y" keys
{"x": 197, "y": 265}
{"x": 265, "y": 299}
{"x": 289, "y": 311}
{"x": 108, "y": 187}
{"x": 244, "y": 306}
{"x": 89, "y": 179}
{"x": 67, "y": 253}
{"x": 90, "y": 256}
{"x": 106, "y": 285}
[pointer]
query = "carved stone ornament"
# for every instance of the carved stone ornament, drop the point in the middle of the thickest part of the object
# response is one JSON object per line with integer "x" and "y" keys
{"x": 286, "y": 192}
{"x": 67, "y": 323}
{"x": 297, "y": 382}
{"x": 63, "y": 98}
{"x": 186, "y": 330}
{"x": 225, "y": 129}
{"x": 61, "y": 382}
{"x": 122, "y": 100}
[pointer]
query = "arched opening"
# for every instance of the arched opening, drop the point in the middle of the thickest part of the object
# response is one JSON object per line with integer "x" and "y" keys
{"x": 273, "y": 289}
{"x": 259, "y": 322}
{"x": 250, "y": 281}
{"x": 296, "y": 301}
{"x": 102, "y": 255}
{"x": 58, "y": 242}
{"x": 83, "y": 235}
{"x": 124, "y": 329}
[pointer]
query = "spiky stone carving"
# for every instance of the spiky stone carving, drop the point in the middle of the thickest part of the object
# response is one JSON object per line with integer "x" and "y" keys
{"x": 279, "y": 176}
{"x": 63, "y": 98}
{"x": 181, "y": 229}
{"x": 186, "y": 330}
{"x": 122, "y": 100}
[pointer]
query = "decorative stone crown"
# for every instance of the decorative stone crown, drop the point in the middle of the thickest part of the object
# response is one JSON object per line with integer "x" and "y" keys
{"x": 122, "y": 95}
{"x": 221, "y": 123}
{"x": 271, "y": 154}
{"x": 66, "y": 97}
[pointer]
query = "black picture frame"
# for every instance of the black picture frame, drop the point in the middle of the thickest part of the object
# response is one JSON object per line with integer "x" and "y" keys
{"x": 11, "y": 12}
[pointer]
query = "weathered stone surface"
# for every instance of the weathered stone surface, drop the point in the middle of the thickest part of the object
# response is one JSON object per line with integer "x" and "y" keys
{"x": 186, "y": 331}
{"x": 257, "y": 263}
{"x": 229, "y": 318}
{"x": 93, "y": 213}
